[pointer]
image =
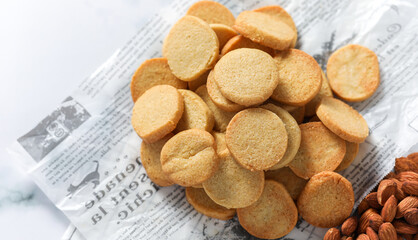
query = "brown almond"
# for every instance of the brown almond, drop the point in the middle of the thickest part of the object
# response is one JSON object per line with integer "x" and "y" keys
{"x": 410, "y": 187}
{"x": 371, "y": 199}
{"x": 344, "y": 238}
{"x": 405, "y": 204}
{"x": 404, "y": 164}
{"x": 404, "y": 228}
{"x": 363, "y": 206}
{"x": 413, "y": 156}
{"x": 332, "y": 234}
{"x": 363, "y": 237}
{"x": 371, "y": 234}
{"x": 411, "y": 216}
{"x": 375, "y": 221}
{"x": 349, "y": 238}
{"x": 386, "y": 189}
{"x": 387, "y": 232}
{"x": 364, "y": 220}
{"x": 390, "y": 175}
{"x": 349, "y": 226}
{"x": 389, "y": 209}
{"x": 407, "y": 176}
{"x": 400, "y": 195}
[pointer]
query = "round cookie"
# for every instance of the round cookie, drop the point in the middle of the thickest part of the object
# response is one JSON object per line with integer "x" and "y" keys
{"x": 223, "y": 32}
{"x": 273, "y": 215}
{"x": 353, "y": 72}
{"x": 327, "y": 200}
{"x": 222, "y": 118}
{"x": 189, "y": 158}
{"x": 246, "y": 76}
{"x": 202, "y": 203}
{"x": 350, "y": 155}
{"x": 265, "y": 29}
{"x": 242, "y": 42}
{"x": 320, "y": 150}
{"x": 293, "y": 184}
{"x": 191, "y": 48}
{"x": 150, "y": 158}
{"x": 221, "y": 148}
{"x": 217, "y": 97}
{"x": 342, "y": 120}
{"x": 196, "y": 113}
{"x": 153, "y": 72}
{"x": 300, "y": 78}
{"x": 257, "y": 138}
{"x": 193, "y": 85}
{"x": 293, "y": 134}
{"x": 325, "y": 91}
{"x": 157, "y": 112}
{"x": 281, "y": 15}
{"x": 233, "y": 186}
{"x": 212, "y": 12}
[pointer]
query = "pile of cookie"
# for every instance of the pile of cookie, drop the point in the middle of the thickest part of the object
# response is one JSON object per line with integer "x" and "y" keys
{"x": 247, "y": 123}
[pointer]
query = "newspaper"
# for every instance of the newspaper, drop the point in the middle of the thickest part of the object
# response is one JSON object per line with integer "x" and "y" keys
{"x": 85, "y": 154}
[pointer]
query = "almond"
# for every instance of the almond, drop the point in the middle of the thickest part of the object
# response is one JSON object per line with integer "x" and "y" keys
{"x": 371, "y": 234}
{"x": 389, "y": 209}
{"x": 363, "y": 206}
{"x": 349, "y": 238}
{"x": 371, "y": 199}
{"x": 416, "y": 237}
{"x": 386, "y": 189}
{"x": 375, "y": 221}
{"x": 407, "y": 176}
{"x": 404, "y": 228}
{"x": 408, "y": 236}
{"x": 405, "y": 204}
{"x": 404, "y": 164}
{"x": 363, "y": 237}
{"x": 332, "y": 234}
{"x": 349, "y": 226}
{"x": 411, "y": 216}
{"x": 387, "y": 232}
{"x": 400, "y": 195}
{"x": 390, "y": 175}
{"x": 364, "y": 220}
{"x": 413, "y": 157}
{"x": 410, "y": 187}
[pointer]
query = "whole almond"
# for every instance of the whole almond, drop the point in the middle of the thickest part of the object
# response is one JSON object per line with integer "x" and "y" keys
{"x": 404, "y": 228}
{"x": 386, "y": 189}
{"x": 389, "y": 209}
{"x": 332, "y": 234}
{"x": 410, "y": 187}
{"x": 400, "y": 195}
{"x": 362, "y": 207}
{"x": 404, "y": 164}
{"x": 363, "y": 237}
{"x": 407, "y": 176}
{"x": 349, "y": 226}
{"x": 375, "y": 221}
{"x": 371, "y": 199}
{"x": 364, "y": 220}
{"x": 411, "y": 216}
{"x": 413, "y": 157}
{"x": 405, "y": 204}
{"x": 371, "y": 234}
{"x": 387, "y": 232}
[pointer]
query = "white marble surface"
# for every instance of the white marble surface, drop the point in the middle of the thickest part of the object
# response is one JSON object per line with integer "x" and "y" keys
{"x": 47, "y": 48}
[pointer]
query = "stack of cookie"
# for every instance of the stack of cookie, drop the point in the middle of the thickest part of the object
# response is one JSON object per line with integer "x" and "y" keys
{"x": 222, "y": 115}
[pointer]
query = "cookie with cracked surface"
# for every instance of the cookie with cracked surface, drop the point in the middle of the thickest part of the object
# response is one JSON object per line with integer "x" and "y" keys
{"x": 246, "y": 76}
{"x": 350, "y": 155}
{"x": 157, "y": 112}
{"x": 242, "y": 42}
{"x": 234, "y": 186}
{"x": 327, "y": 200}
{"x": 189, "y": 158}
{"x": 273, "y": 215}
{"x": 353, "y": 72}
{"x": 191, "y": 48}
{"x": 300, "y": 78}
{"x": 257, "y": 138}
{"x": 325, "y": 91}
{"x": 219, "y": 99}
{"x": 342, "y": 120}
{"x": 320, "y": 150}
{"x": 212, "y": 12}
{"x": 223, "y": 32}
{"x": 293, "y": 184}
{"x": 265, "y": 30}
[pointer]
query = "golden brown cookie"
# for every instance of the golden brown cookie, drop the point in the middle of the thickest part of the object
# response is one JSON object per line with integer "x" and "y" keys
{"x": 153, "y": 72}
{"x": 297, "y": 112}
{"x": 264, "y": 29}
{"x": 223, "y": 32}
{"x": 353, "y": 72}
{"x": 242, "y": 42}
{"x": 273, "y": 215}
{"x": 217, "y": 97}
{"x": 320, "y": 150}
{"x": 350, "y": 155}
{"x": 257, "y": 138}
{"x": 325, "y": 91}
{"x": 342, "y": 120}
{"x": 281, "y": 15}
{"x": 246, "y": 76}
{"x": 212, "y": 12}
{"x": 186, "y": 60}
{"x": 150, "y": 158}
{"x": 221, "y": 148}
{"x": 233, "y": 186}
{"x": 293, "y": 184}
{"x": 189, "y": 158}
{"x": 196, "y": 113}
{"x": 327, "y": 200}
{"x": 157, "y": 112}
{"x": 202, "y": 203}
{"x": 222, "y": 118}
{"x": 193, "y": 85}
{"x": 300, "y": 77}
{"x": 293, "y": 134}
